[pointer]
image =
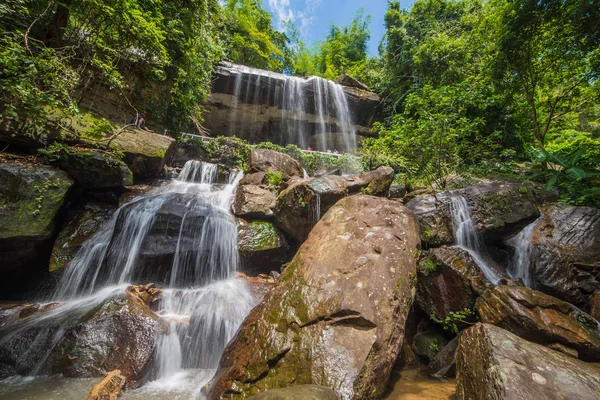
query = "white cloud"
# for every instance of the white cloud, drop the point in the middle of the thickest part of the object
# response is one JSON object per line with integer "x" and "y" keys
{"x": 283, "y": 11}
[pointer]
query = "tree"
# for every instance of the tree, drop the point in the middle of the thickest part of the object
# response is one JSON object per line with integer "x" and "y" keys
{"x": 551, "y": 56}
{"x": 343, "y": 50}
{"x": 251, "y": 39}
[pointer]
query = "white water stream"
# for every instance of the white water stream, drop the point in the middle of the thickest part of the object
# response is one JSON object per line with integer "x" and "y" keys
{"x": 202, "y": 301}
{"x": 520, "y": 264}
{"x": 467, "y": 237}
{"x": 309, "y": 106}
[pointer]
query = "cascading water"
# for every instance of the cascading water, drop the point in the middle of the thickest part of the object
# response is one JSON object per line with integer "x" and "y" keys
{"x": 520, "y": 264}
{"x": 467, "y": 237}
{"x": 202, "y": 302}
{"x": 314, "y": 111}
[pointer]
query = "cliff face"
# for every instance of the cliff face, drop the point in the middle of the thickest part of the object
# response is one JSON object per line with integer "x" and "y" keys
{"x": 259, "y": 105}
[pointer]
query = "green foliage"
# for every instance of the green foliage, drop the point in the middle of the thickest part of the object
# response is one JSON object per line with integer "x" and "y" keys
{"x": 344, "y": 50}
{"x": 52, "y": 51}
{"x": 275, "y": 178}
{"x": 455, "y": 320}
{"x": 55, "y": 151}
{"x": 567, "y": 173}
{"x": 251, "y": 39}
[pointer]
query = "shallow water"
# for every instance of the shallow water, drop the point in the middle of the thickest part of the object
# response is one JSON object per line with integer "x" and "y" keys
{"x": 414, "y": 383}
{"x": 45, "y": 388}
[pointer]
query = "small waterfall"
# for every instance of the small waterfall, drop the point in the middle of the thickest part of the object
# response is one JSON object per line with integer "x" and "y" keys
{"x": 203, "y": 302}
{"x": 315, "y": 209}
{"x": 310, "y": 107}
{"x": 467, "y": 237}
{"x": 520, "y": 265}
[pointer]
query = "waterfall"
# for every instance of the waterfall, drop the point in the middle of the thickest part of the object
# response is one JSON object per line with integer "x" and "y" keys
{"x": 314, "y": 111}
{"x": 467, "y": 237}
{"x": 520, "y": 264}
{"x": 202, "y": 302}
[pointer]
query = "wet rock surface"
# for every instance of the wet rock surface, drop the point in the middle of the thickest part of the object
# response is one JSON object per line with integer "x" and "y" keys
{"x": 448, "y": 280}
{"x": 566, "y": 253}
{"x": 541, "y": 318}
{"x": 301, "y": 205}
{"x": 82, "y": 224}
{"x": 499, "y": 209}
{"x": 336, "y": 315}
{"x": 120, "y": 333}
{"x": 109, "y": 388}
{"x": 493, "y": 363}
{"x": 263, "y": 248}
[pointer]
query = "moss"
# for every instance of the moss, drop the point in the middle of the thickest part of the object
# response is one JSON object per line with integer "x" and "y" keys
{"x": 263, "y": 236}
{"x": 31, "y": 199}
{"x": 275, "y": 178}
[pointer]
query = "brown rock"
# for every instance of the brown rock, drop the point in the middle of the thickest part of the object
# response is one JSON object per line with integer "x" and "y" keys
{"x": 347, "y": 80}
{"x": 144, "y": 294}
{"x": 301, "y": 205}
{"x": 265, "y": 160}
{"x": 253, "y": 201}
{"x": 342, "y": 301}
{"x": 541, "y": 318}
{"x": 495, "y": 364}
{"x": 448, "y": 280}
{"x": 566, "y": 253}
{"x": 109, "y": 388}
{"x": 145, "y": 153}
{"x": 256, "y": 178}
{"x": 595, "y": 305}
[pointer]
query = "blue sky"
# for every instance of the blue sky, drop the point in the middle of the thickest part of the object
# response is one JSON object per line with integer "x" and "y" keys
{"x": 313, "y": 17}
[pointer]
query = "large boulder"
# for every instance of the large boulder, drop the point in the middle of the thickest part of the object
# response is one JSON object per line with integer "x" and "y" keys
{"x": 145, "y": 153}
{"x": 31, "y": 197}
{"x": 95, "y": 170}
{"x": 265, "y": 160}
{"x": 495, "y": 364}
{"x": 448, "y": 280}
{"x": 253, "y": 201}
{"x": 83, "y": 222}
{"x": 342, "y": 301}
{"x": 565, "y": 253}
{"x": 540, "y": 318}
{"x": 301, "y": 205}
{"x": 499, "y": 209}
{"x": 262, "y": 247}
{"x": 90, "y": 340}
{"x": 300, "y": 392}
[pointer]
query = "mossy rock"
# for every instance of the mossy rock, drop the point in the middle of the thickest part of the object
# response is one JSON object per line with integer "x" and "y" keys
{"x": 83, "y": 223}
{"x": 30, "y": 198}
{"x": 145, "y": 153}
{"x": 95, "y": 170}
{"x": 262, "y": 246}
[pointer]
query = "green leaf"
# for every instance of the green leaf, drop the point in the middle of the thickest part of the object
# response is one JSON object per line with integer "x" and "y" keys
{"x": 576, "y": 173}
{"x": 552, "y": 181}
